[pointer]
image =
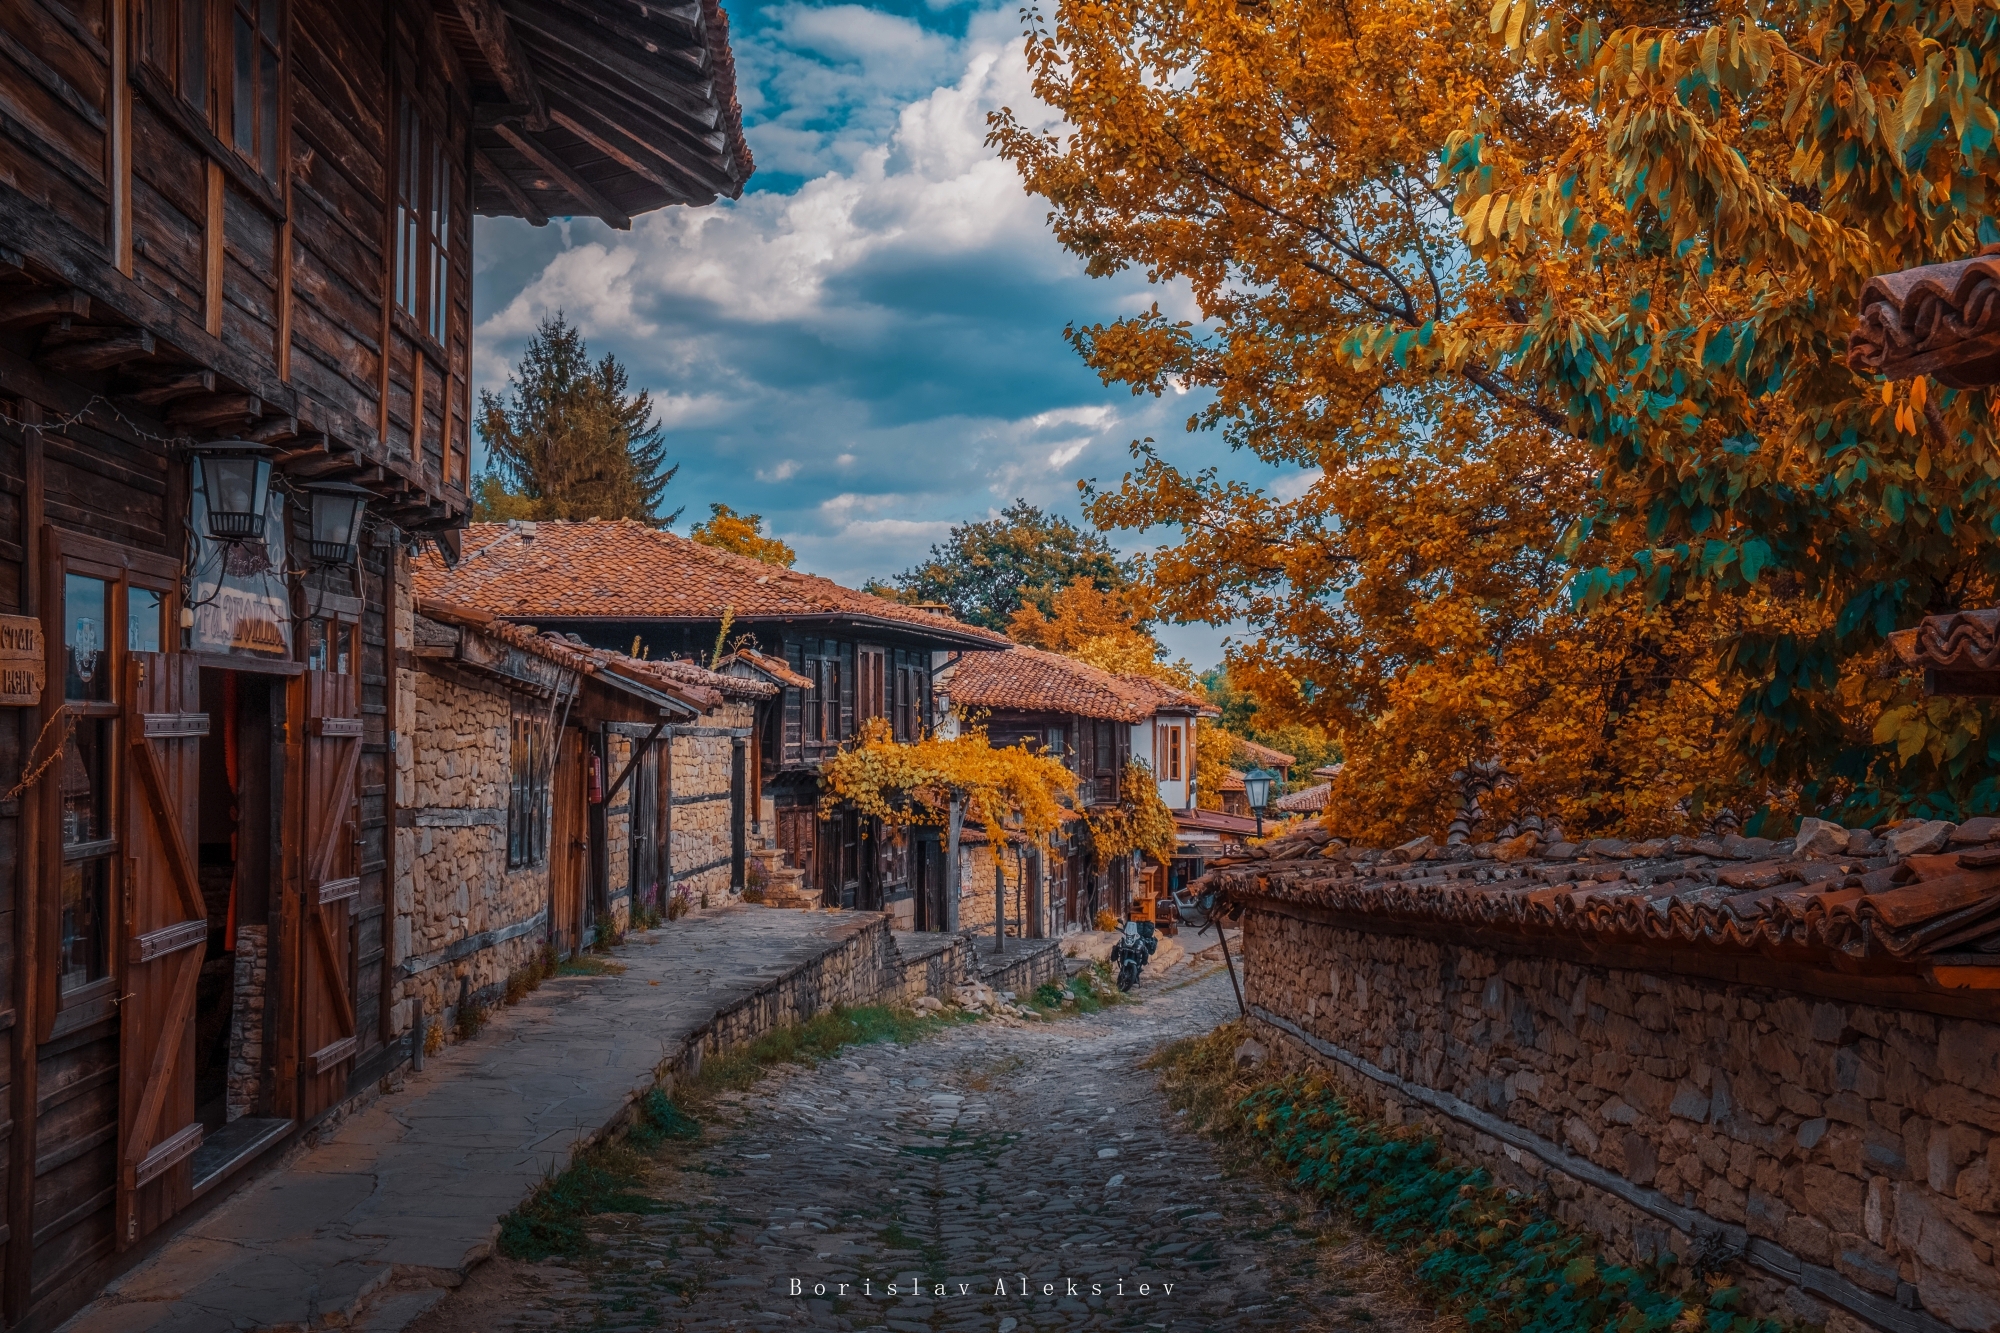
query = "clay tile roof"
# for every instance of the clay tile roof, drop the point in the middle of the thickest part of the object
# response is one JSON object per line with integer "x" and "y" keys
{"x": 694, "y": 685}
{"x": 1032, "y": 680}
{"x": 1938, "y": 320}
{"x": 772, "y": 668}
{"x": 1263, "y": 755}
{"x": 1232, "y": 780}
{"x": 1307, "y": 800}
{"x": 622, "y": 570}
{"x": 1872, "y": 909}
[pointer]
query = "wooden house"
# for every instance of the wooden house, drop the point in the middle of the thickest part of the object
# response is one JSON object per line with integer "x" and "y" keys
{"x": 247, "y": 221}
{"x": 841, "y": 657}
{"x": 1098, "y": 722}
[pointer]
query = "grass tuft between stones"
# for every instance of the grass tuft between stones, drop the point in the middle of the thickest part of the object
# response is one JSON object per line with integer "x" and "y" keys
{"x": 1490, "y": 1255}
{"x": 604, "y": 1178}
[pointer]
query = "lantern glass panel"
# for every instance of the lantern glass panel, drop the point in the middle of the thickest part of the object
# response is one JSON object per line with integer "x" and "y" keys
{"x": 1257, "y": 787}
{"x": 234, "y": 486}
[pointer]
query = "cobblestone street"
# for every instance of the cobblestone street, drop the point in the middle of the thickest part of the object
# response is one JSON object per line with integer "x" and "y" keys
{"x": 1032, "y": 1173}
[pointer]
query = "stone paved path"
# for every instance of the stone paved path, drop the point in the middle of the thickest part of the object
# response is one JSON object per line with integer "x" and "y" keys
{"x": 987, "y": 1157}
{"x": 409, "y": 1190}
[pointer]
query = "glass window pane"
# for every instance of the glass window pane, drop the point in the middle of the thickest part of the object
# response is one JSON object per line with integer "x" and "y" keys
{"x": 86, "y": 934}
{"x": 194, "y": 55}
{"x": 268, "y": 19}
{"x": 85, "y": 790}
{"x": 143, "y": 608}
{"x": 267, "y": 120}
{"x": 244, "y": 119}
{"x": 315, "y": 644}
{"x": 84, "y": 635}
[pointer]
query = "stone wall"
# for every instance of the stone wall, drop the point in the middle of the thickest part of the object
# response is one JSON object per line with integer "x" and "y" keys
{"x": 699, "y": 844}
{"x": 464, "y": 920}
{"x": 245, "y": 1085}
{"x": 1849, "y": 1148}
{"x": 975, "y": 904}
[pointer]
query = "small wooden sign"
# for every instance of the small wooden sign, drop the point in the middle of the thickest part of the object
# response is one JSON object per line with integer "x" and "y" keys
{"x": 23, "y": 661}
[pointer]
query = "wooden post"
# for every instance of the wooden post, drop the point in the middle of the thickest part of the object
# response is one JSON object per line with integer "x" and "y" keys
{"x": 951, "y": 865}
{"x": 27, "y": 943}
{"x": 999, "y": 904}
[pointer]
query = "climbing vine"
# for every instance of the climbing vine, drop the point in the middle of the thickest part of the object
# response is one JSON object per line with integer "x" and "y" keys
{"x": 1140, "y": 822}
{"x": 1007, "y": 788}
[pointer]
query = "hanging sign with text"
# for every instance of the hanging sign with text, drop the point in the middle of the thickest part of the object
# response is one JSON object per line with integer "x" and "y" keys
{"x": 23, "y": 661}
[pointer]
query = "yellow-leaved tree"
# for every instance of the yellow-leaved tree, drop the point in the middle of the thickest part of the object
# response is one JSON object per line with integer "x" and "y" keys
{"x": 1140, "y": 824}
{"x": 1409, "y": 590}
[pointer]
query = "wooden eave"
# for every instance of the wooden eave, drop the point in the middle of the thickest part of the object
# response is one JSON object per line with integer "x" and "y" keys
{"x": 604, "y": 108}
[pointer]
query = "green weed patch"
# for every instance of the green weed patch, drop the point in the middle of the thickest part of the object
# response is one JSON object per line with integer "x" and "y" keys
{"x": 1489, "y": 1254}
{"x": 819, "y": 1037}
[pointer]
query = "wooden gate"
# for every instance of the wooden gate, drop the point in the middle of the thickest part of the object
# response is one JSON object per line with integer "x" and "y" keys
{"x": 329, "y": 882}
{"x": 567, "y": 844}
{"x": 165, "y": 926}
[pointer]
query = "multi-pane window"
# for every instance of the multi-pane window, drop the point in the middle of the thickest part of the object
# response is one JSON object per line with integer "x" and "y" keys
{"x": 423, "y": 219}
{"x": 231, "y": 51}
{"x": 83, "y": 794}
{"x": 254, "y": 41}
{"x": 829, "y": 698}
{"x": 1170, "y": 758}
{"x": 870, "y": 685}
{"x": 528, "y": 788}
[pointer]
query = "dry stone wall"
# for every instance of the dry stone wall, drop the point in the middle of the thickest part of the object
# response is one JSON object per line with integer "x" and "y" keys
{"x": 1862, "y": 1141}
{"x": 700, "y": 840}
{"x": 464, "y": 919}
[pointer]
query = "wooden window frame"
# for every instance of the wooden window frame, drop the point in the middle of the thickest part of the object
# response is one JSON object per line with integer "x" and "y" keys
{"x": 122, "y": 569}
{"x": 420, "y": 224}
{"x": 529, "y": 783}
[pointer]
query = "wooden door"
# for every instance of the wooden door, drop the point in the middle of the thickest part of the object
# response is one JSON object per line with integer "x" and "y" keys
{"x": 798, "y": 826}
{"x": 567, "y": 844}
{"x": 329, "y": 882}
{"x": 164, "y": 928}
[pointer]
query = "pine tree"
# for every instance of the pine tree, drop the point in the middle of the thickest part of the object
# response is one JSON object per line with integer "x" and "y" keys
{"x": 569, "y": 440}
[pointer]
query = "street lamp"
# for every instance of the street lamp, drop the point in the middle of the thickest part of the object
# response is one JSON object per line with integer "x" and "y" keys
{"x": 1257, "y": 790}
{"x": 336, "y": 521}
{"x": 235, "y": 486}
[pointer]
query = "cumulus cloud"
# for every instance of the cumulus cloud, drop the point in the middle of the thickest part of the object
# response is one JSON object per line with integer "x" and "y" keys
{"x": 865, "y": 348}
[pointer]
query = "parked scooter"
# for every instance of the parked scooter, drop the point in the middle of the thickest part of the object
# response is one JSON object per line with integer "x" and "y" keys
{"x": 1136, "y": 944}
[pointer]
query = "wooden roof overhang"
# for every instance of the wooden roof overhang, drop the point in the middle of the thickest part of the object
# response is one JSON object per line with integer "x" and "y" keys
{"x": 510, "y": 655}
{"x": 599, "y": 108}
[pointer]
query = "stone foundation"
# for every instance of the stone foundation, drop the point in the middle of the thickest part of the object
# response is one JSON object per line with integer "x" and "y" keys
{"x": 246, "y": 1023}
{"x": 1849, "y": 1153}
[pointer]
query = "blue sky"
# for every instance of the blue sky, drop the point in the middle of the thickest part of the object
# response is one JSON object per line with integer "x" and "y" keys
{"x": 867, "y": 347}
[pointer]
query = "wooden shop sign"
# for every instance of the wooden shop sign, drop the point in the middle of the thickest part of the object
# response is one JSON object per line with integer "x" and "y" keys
{"x": 23, "y": 661}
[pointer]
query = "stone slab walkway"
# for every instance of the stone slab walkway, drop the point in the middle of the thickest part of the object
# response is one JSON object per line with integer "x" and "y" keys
{"x": 410, "y": 1188}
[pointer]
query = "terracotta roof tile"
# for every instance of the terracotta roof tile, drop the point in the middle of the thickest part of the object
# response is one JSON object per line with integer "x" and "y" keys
{"x": 1883, "y": 911}
{"x": 622, "y": 570}
{"x": 1307, "y": 800}
{"x": 1935, "y": 320}
{"x": 1033, "y": 680}
{"x": 1263, "y": 755}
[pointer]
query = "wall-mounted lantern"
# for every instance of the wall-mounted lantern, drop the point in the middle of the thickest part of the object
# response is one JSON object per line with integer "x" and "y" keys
{"x": 336, "y": 521}
{"x": 236, "y": 484}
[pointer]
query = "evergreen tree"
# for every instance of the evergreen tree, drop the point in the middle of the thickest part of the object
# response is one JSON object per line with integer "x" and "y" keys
{"x": 569, "y": 440}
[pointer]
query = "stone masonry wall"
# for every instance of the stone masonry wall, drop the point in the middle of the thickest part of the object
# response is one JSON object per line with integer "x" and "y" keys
{"x": 975, "y": 904}
{"x": 699, "y": 845}
{"x": 1864, "y": 1140}
{"x": 246, "y": 1026}
{"x": 464, "y": 920}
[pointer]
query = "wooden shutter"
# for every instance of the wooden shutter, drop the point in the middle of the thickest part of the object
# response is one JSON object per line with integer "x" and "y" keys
{"x": 164, "y": 934}
{"x": 329, "y": 884}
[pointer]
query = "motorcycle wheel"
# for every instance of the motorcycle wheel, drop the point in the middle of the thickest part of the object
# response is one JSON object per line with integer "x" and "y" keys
{"x": 1128, "y": 976}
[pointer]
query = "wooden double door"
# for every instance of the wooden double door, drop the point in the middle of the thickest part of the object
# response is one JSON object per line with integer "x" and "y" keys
{"x": 164, "y": 925}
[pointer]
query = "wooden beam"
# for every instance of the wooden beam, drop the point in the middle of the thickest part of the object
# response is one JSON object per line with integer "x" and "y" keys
{"x": 101, "y": 349}
{"x": 638, "y": 753}
{"x": 602, "y": 59}
{"x": 44, "y": 307}
{"x": 679, "y": 147}
{"x": 272, "y": 429}
{"x": 485, "y": 115}
{"x": 574, "y": 185}
{"x": 494, "y": 36}
{"x": 507, "y": 185}
{"x": 625, "y": 151}
{"x": 219, "y": 409}
{"x": 157, "y": 390}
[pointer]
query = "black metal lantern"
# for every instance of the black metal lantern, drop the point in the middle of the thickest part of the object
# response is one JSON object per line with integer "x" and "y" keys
{"x": 1257, "y": 790}
{"x": 336, "y": 521}
{"x": 236, "y": 486}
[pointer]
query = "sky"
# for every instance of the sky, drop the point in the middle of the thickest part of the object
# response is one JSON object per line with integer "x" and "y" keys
{"x": 866, "y": 348}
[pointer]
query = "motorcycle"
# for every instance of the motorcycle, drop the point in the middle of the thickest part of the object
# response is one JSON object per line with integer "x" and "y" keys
{"x": 1135, "y": 946}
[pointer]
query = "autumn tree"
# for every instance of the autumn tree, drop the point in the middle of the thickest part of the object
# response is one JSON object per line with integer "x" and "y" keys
{"x": 1278, "y": 161}
{"x": 1685, "y": 243}
{"x": 568, "y": 439}
{"x": 987, "y": 570}
{"x": 742, "y": 534}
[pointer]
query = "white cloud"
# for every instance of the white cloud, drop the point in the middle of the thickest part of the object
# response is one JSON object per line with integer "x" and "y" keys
{"x": 784, "y": 470}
